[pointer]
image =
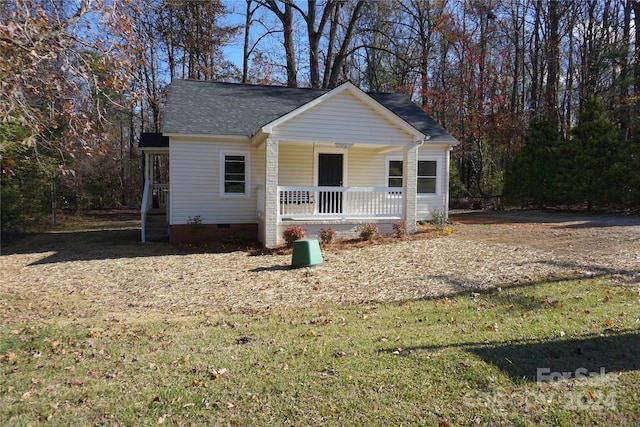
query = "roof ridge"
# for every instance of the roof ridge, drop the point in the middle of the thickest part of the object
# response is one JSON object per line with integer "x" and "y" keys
{"x": 319, "y": 89}
{"x": 250, "y": 85}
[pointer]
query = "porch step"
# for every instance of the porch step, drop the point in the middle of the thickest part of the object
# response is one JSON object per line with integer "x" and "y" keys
{"x": 157, "y": 228}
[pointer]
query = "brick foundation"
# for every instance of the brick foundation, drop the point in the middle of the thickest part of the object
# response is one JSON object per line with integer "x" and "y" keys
{"x": 212, "y": 233}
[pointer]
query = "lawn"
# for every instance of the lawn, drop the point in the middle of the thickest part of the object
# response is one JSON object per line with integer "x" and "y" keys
{"x": 488, "y": 358}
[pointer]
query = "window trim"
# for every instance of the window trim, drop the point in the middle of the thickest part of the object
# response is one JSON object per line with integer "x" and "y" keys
{"x": 420, "y": 159}
{"x": 247, "y": 173}
{"x": 437, "y": 177}
{"x": 389, "y": 160}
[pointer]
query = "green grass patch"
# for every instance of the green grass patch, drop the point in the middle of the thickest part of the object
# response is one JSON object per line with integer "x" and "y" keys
{"x": 472, "y": 359}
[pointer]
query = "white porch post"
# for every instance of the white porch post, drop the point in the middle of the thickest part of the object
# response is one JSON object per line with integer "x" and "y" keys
{"x": 271, "y": 194}
{"x": 411, "y": 187}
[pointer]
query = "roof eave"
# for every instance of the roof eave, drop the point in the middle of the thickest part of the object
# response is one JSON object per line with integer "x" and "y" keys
{"x": 207, "y": 136}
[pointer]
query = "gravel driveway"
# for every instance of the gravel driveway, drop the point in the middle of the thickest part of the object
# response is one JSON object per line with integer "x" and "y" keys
{"x": 109, "y": 271}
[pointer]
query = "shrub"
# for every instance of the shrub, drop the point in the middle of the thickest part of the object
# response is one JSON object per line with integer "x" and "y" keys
{"x": 367, "y": 231}
{"x": 327, "y": 235}
{"x": 292, "y": 234}
{"x": 400, "y": 228}
{"x": 196, "y": 225}
{"x": 438, "y": 219}
{"x": 235, "y": 239}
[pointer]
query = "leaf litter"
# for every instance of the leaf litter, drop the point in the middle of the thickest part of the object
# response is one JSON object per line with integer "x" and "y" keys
{"x": 126, "y": 278}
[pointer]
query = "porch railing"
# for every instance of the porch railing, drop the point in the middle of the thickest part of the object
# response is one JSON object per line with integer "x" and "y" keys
{"x": 340, "y": 203}
{"x": 159, "y": 196}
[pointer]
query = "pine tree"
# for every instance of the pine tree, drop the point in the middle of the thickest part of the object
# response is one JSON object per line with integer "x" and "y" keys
{"x": 533, "y": 175}
{"x": 594, "y": 152}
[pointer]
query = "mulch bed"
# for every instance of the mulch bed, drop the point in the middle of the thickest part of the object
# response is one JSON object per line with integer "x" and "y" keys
{"x": 108, "y": 271}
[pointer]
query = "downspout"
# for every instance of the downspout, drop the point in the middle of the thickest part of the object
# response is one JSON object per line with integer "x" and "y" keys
{"x": 447, "y": 171}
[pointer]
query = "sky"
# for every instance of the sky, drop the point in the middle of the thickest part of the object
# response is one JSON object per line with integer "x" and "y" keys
{"x": 233, "y": 51}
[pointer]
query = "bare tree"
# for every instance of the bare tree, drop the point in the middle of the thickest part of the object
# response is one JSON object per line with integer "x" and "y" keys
{"x": 335, "y": 61}
{"x": 286, "y": 18}
{"x": 315, "y": 33}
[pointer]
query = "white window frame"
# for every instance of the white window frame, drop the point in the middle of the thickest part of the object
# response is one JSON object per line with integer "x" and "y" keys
{"x": 430, "y": 159}
{"x": 389, "y": 160}
{"x": 420, "y": 159}
{"x": 247, "y": 173}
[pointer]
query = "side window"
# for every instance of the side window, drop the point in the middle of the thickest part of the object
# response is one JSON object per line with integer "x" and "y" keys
{"x": 234, "y": 171}
{"x": 394, "y": 178}
{"x": 427, "y": 176}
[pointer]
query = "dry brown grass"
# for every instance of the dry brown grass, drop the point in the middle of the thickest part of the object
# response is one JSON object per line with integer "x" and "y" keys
{"x": 108, "y": 270}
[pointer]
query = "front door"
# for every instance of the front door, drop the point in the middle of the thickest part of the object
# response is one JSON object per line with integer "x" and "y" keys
{"x": 330, "y": 175}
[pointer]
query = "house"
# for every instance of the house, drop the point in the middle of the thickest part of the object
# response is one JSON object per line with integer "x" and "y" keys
{"x": 259, "y": 159}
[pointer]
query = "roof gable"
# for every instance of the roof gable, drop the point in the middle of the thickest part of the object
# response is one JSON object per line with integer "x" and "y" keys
{"x": 334, "y": 95}
{"x": 344, "y": 114}
{"x": 215, "y": 108}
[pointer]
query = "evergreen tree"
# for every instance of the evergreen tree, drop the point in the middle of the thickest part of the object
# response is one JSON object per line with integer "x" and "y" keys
{"x": 595, "y": 152}
{"x": 534, "y": 172}
{"x": 626, "y": 171}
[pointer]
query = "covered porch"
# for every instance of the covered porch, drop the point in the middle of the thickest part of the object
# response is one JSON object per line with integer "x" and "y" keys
{"x": 300, "y": 203}
{"x": 154, "y": 209}
{"x": 338, "y": 185}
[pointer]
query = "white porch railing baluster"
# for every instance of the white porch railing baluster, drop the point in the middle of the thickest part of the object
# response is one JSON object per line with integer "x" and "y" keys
{"x": 297, "y": 202}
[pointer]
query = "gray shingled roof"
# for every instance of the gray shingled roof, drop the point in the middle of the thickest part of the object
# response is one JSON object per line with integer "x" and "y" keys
{"x": 205, "y": 107}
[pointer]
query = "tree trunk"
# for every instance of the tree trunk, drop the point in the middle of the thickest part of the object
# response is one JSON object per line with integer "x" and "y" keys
{"x": 286, "y": 18}
{"x": 289, "y": 48}
{"x": 553, "y": 58}
{"x": 314, "y": 36}
{"x": 625, "y": 83}
{"x": 342, "y": 53}
{"x": 535, "y": 59}
{"x": 245, "y": 50}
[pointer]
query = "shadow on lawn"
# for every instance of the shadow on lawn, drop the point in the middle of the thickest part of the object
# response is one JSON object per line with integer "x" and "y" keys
{"x": 87, "y": 246}
{"x": 568, "y": 271}
{"x": 521, "y": 361}
{"x": 556, "y": 219}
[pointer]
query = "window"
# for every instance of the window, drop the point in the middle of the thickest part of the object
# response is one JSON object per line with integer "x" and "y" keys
{"x": 427, "y": 175}
{"x": 395, "y": 173}
{"x": 234, "y": 174}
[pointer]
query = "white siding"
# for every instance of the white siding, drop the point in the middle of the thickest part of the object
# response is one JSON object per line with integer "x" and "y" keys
{"x": 195, "y": 177}
{"x": 342, "y": 118}
{"x": 366, "y": 168}
{"x": 195, "y": 183}
{"x": 436, "y": 202}
{"x": 298, "y": 166}
{"x": 295, "y": 164}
